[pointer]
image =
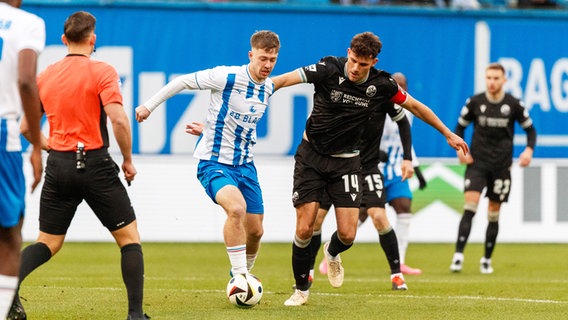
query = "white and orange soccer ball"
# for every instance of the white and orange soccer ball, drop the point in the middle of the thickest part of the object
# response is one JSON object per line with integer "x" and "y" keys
{"x": 244, "y": 290}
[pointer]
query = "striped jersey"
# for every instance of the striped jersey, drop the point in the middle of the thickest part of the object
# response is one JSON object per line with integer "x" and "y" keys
{"x": 18, "y": 30}
{"x": 237, "y": 105}
{"x": 391, "y": 144}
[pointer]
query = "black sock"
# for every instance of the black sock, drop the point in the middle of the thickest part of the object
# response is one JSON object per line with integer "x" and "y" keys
{"x": 33, "y": 256}
{"x": 491, "y": 238}
{"x": 301, "y": 266}
{"x": 389, "y": 244}
{"x": 464, "y": 230}
{"x": 315, "y": 245}
{"x": 132, "y": 265}
{"x": 336, "y": 246}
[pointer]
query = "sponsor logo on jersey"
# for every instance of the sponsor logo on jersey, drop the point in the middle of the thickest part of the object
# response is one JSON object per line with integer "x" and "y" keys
{"x": 493, "y": 122}
{"x": 311, "y": 68}
{"x": 353, "y": 196}
{"x": 483, "y": 108}
{"x": 341, "y": 79}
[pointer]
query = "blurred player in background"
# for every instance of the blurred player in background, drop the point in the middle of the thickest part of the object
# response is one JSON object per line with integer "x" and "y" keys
{"x": 493, "y": 114}
{"x": 239, "y": 97}
{"x": 347, "y": 90}
{"x": 77, "y": 95}
{"x": 397, "y": 188}
{"x": 22, "y": 38}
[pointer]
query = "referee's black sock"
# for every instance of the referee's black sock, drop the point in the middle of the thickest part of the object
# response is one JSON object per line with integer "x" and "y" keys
{"x": 33, "y": 256}
{"x": 132, "y": 265}
{"x": 389, "y": 244}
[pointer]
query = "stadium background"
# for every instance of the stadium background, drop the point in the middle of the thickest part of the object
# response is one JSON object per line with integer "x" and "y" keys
{"x": 442, "y": 51}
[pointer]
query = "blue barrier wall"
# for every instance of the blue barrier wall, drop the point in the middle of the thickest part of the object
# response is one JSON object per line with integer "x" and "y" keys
{"x": 443, "y": 53}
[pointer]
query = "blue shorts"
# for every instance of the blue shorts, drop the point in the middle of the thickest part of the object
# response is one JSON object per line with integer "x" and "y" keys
{"x": 214, "y": 176}
{"x": 12, "y": 189}
{"x": 396, "y": 188}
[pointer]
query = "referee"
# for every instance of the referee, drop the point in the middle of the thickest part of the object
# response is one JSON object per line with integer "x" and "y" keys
{"x": 77, "y": 95}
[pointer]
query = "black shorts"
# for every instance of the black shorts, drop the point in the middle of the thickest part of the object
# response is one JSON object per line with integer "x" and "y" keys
{"x": 314, "y": 174}
{"x": 374, "y": 195}
{"x": 98, "y": 184}
{"x": 497, "y": 182}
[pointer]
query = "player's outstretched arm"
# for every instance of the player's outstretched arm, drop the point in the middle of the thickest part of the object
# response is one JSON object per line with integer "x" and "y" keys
{"x": 142, "y": 113}
{"x": 287, "y": 79}
{"x": 427, "y": 115}
{"x": 169, "y": 90}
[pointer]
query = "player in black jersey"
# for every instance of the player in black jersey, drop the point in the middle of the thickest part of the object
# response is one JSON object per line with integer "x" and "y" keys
{"x": 493, "y": 114}
{"x": 374, "y": 195}
{"x": 347, "y": 91}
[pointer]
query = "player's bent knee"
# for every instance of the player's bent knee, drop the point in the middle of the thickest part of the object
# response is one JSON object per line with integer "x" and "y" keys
{"x": 304, "y": 231}
{"x": 255, "y": 233}
{"x": 346, "y": 238}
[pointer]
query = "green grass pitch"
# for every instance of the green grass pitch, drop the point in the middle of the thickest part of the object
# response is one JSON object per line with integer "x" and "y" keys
{"x": 187, "y": 281}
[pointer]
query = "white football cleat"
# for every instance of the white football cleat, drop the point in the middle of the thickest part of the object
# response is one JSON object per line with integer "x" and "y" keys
{"x": 297, "y": 299}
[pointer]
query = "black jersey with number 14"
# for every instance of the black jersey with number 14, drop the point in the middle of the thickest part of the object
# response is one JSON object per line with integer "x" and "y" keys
{"x": 341, "y": 107}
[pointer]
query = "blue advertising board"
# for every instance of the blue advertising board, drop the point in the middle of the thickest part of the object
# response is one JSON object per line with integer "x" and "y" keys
{"x": 443, "y": 53}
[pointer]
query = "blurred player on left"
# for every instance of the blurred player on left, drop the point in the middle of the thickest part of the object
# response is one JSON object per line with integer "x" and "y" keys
{"x": 22, "y": 38}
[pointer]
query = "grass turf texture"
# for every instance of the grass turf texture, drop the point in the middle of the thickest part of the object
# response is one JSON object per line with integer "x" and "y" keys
{"x": 187, "y": 281}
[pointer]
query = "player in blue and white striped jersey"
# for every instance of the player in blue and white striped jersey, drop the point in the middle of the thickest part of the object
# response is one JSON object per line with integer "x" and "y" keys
{"x": 239, "y": 97}
{"x": 22, "y": 38}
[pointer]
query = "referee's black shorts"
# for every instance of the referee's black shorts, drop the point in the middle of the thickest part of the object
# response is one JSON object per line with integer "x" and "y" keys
{"x": 315, "y": 174}
{"x": 65, "y": 187}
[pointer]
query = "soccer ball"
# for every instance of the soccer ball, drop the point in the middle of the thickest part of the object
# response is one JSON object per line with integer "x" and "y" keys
{"x": 244, "y": 290}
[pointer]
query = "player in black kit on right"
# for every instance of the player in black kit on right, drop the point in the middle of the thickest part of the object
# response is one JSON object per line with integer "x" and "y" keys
{"x": 347, "y": 90}
{"x": 493, "y": 114}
